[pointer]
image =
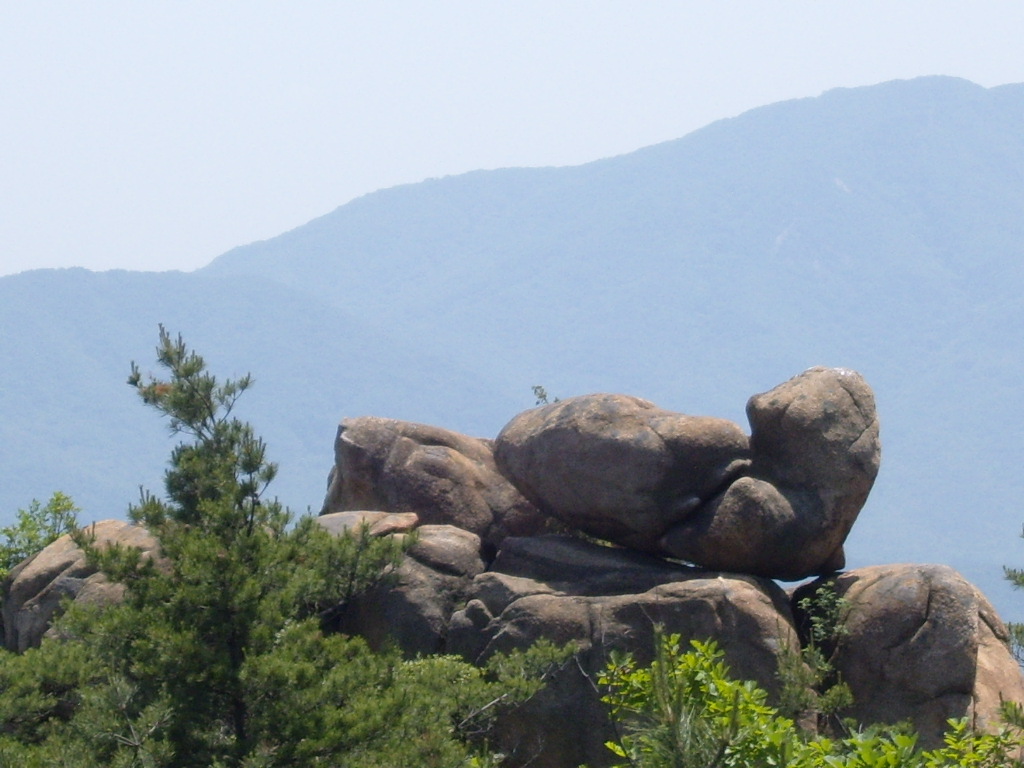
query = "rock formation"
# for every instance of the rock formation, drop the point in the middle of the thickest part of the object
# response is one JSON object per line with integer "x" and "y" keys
{"x": 922, "y": 644}
{"x": 603, "y": 599}
{"x": 815, "y": 454}
{"x": 695, "y": 488}
{"x": 693, "y": 520}
{"x": 431, "y": 583}
{"x": 34, "y": 590}
{"x": 444, "y": 477}
{"x": 618, "y": 467}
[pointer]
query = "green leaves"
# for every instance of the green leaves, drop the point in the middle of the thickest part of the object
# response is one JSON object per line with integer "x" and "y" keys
{"x": 684, "y": 710}
{"x": 228, "y": 630}
{"x": 34, "y": 528}
{"x": 810, "y": 684}
{"x": 217, "y": 655}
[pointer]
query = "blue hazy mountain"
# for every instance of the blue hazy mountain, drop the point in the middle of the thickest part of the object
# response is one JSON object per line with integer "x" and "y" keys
{"x": 877, "y": 228}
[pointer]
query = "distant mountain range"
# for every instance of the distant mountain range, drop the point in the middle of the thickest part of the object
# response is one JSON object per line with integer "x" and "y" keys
{"x": 877, "y": 228}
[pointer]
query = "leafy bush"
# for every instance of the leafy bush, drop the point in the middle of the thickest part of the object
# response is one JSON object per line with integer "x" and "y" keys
{"x": 684, "y": 710}
{"x": 34, "y": 528}
{"x": 810, "y": 684}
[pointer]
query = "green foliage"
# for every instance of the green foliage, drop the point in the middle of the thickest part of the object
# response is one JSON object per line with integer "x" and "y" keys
{"x": 541, "y": 395}
{"x": 810, "y": 684}
{"x": 217, "y": 656}
{"x": 1016, "y": 577}
{"x": 34, "y": 528}
{"x": 684, "y": 710}
{"x": 1016, "y": 631}
{"x": 41, "y": 688}
{"x": 1013, "y": 712}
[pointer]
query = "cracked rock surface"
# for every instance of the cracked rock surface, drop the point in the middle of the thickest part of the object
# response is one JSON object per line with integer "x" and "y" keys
{"x": 923, "y": 644}
{"x": 815, "y": 453}
{"x": 442, "y": 476}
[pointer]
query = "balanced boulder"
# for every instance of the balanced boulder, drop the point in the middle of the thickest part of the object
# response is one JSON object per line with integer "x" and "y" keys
{"x": 815, "y": 454}
{"x": 618, "y": 467}
{"x": 779, "y": 504}
{"x": 443, "y": 477}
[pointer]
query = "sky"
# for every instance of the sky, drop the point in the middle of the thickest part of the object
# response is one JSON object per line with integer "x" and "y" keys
{"x": 157, "y": 135}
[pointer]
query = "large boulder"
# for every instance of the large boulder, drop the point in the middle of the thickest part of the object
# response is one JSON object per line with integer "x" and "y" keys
{"x": 779, "y": 504}
{"x": 819, "y": 430}
{"x": 815, "y": 454}
{"x": 412, "y": 608}
{"x": 602, "y": 599}
{"x": 443, "y": 477}
{"x": 618, "y": 467}
{"x": 35, "y": 590}
{"x": 921, "y": 644}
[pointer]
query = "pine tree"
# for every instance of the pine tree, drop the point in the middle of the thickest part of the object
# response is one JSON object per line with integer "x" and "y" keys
{"x": 216, "y": 656}
{"x": 236, "y": 576}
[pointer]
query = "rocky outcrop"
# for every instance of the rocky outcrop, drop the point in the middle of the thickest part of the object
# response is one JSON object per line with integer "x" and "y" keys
{"x": 699, "y": 516}
{"x": 695, "y": 488}
{"x": 920, "y": 643}
{"x": 35, "y": 589}
{"x": 443, "y": 477}
{"x": 602, "y": 599}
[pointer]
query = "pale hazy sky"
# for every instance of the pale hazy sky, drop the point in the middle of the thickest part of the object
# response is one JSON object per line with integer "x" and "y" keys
{"x": 157, "y": 135}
